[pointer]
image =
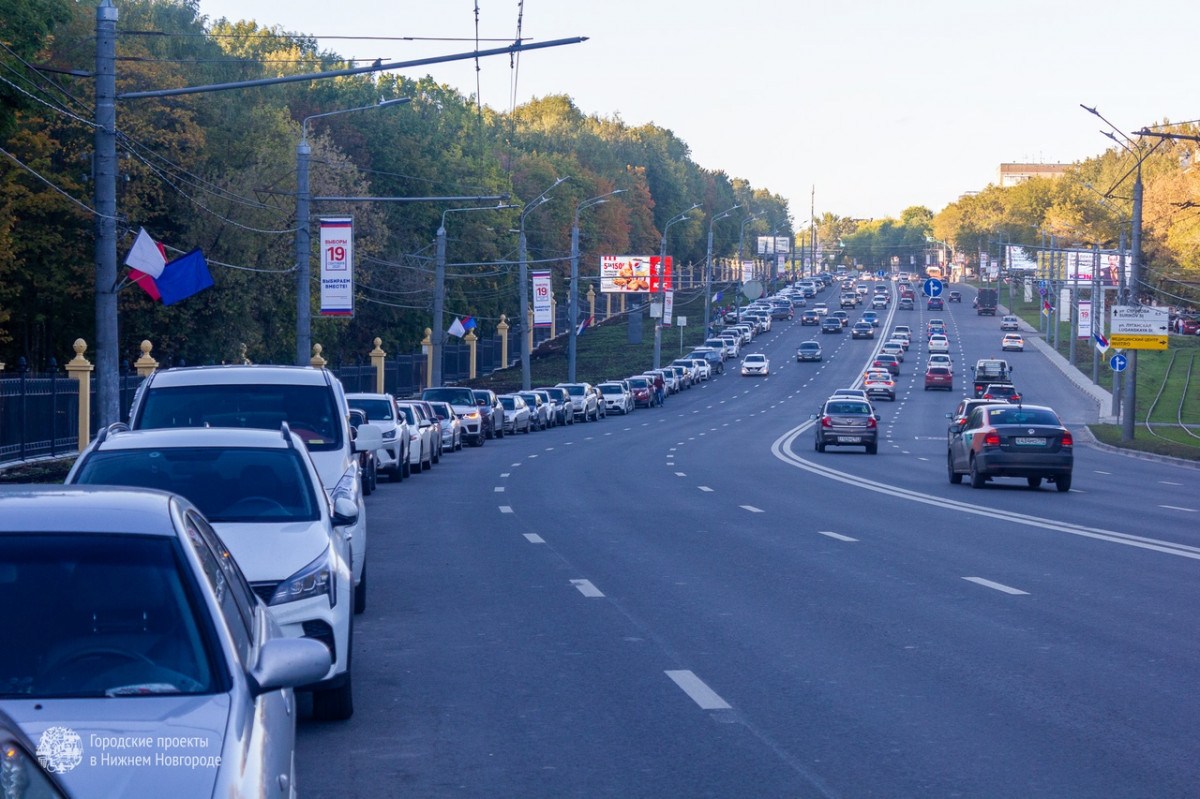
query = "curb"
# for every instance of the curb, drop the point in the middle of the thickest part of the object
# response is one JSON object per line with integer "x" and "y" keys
{"x": 1088, "y": 439}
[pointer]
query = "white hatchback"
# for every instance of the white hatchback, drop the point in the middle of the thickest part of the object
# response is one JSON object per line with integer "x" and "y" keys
{"x": 939, "y": 344}
{"x": 262, "y": 494}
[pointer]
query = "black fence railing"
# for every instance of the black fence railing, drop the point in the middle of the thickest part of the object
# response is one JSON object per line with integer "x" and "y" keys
{"x": 39, "y": 411}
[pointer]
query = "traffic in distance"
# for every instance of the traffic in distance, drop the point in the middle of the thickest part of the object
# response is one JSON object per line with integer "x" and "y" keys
{"x": 251, "y": 485}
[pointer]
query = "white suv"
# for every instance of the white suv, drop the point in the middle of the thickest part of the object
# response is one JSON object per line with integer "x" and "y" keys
{"x": 381, "y": 412}
{"x": 261, "y": 492}
{"x": 311, "y": 401}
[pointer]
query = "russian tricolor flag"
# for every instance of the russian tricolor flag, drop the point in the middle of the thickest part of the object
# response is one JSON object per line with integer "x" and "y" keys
{"x": 1101, "y": 341}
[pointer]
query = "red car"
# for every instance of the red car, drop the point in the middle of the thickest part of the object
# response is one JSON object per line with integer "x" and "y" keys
{"x": 939, "y": 377}
{"x": 1187, "y": 326}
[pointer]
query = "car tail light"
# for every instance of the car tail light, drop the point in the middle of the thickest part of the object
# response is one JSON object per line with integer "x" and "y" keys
{"x": 991, "y": 439}
{"x": 870, "y": 421}
{"x": 826, "y": 421}
{"x": 1067, "y": 439}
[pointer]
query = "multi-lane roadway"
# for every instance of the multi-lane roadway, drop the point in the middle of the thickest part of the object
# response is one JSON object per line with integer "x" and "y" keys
{"x": 691, "y": 602}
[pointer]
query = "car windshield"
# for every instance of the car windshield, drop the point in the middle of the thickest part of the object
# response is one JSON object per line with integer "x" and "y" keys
{"x": 377, "y": 410}
{"x": 101, "y": 616}
{"x": 458, "y": 396}
{"x": 308, "y": 410}
{"x": 227, "y": 484}
{"x": 509, "y": 403}
{"x": 611, "y": 388}
{"x": 810, "y": 345}
{"x": 442, "y": 409}
{"x": 574, "y": 390}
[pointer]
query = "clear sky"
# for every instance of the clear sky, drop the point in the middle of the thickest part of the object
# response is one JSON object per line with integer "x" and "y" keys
{"x": 878, "y": 104}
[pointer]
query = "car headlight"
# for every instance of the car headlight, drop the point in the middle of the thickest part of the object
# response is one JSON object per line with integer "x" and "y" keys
{"x": 388, "y": 435}
{"x": 315, "y": 579}
{"x": 474, "y": 415}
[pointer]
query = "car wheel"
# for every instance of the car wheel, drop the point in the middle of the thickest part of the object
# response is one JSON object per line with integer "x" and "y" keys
{"x": 396, "y": 473}
{"x": 418, "y": 466}
{"x": 978, "y": 478}
{"x": 873, "y": 448}
{"x": 407, "y": 466}
{"x": 818, "y": 445}
{"x": 499, "y": 432}
{"x": 336, "y": 704}
{"x": 1034, "y": 482}
{"x": 1063, "y": 483}
{"x": 436, "y": 454}
{"x": 360, "y": 592}
{"x": 955, "y": 477}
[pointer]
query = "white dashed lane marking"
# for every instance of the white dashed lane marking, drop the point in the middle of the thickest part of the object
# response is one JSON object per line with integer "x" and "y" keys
{"x": 587, "y": 589}
{"x": 699, "y": 692}
{"x": 534, "y": 538}
{"x": 837, "y": 536}
{"x": 997, "y": 586}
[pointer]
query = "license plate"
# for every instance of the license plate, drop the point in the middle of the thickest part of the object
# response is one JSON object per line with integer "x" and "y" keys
{"x": 1027, "y": 441}
{"x": 849, "y": 439}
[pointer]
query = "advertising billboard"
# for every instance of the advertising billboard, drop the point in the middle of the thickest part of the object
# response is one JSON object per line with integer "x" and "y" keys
{"x": 631, "y": 274}
{"x": 337, "y": 267}
{"x": 543, "y": 311}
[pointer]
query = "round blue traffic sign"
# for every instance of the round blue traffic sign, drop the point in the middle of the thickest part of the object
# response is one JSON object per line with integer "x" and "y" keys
{"x": 1118, "y": 362}
{"x": 932, "y": 287}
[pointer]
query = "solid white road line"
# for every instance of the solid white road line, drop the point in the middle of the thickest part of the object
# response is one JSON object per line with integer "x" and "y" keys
{"x": 534, "y": 538}
{"x": 586, "y": 588}
{"x": 998, "y": 586}
{"x": 1176, "y": 507}
{"x": 700, "y": 693}
{"x": 838, "y": 536}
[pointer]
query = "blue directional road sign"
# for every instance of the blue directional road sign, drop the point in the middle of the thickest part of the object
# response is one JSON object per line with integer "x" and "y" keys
{"x": 932, "y": 287}
{"x": 881, "y": 273}
{"x": 1118, "y": 362}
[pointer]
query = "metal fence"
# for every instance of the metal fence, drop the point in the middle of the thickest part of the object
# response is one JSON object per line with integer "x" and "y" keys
{"x": 39, "y": 411}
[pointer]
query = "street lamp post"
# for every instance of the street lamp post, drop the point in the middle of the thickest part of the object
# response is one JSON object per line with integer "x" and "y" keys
{"x": 662, "y": 260}
{"x": 573, "y": 291}
{"x": 303, "y": 240}
{"x": 738, "y": 265}
{"x": 708, "y": 268}
{"x": 439, "y": 290}
{"x": 523, "y": 315}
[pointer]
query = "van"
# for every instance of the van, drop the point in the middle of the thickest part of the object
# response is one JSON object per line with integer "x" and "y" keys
{"x": 311, "y": 401}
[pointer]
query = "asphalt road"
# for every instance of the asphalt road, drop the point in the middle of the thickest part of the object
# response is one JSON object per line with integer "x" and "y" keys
{"x": 691, "y": 602}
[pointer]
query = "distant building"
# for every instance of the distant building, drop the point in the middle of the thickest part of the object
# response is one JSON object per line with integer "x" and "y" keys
{"x": 1013, "y": 174}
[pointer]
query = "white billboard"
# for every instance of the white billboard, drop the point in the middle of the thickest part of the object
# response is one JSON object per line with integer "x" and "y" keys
{"x": 543, "y": 311}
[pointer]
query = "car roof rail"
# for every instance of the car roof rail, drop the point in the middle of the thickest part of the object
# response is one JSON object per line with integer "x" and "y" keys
{"x": 286, "y": 432}
{"x": 115, "y": 427}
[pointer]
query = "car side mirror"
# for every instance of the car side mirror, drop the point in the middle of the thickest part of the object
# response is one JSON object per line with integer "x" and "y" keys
{"x": 368, "y": 438}
{"x": 288, "y": 662}
{"x": 345, "y": 512}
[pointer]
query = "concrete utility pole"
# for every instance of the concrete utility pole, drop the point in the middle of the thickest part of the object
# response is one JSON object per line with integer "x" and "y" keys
{"x": 662, "y": 260}
{"x": 523, "y": 315}
{"x": 105, "y": 200}
{"x": 573, "y": 289}
{"x": 708, "y": 269}
{"x": 438, "y": 337}
{"x": 105, "y": 174}
{"x": 304, "y": 233}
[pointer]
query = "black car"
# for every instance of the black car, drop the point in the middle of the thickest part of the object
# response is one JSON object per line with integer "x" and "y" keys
{"x": 935, "y": 304}
{"x": 954, "y": 296}
{"x": 1028, "y": 441}
{"x": 862, "y": 330}
{"x": 493, "y": 412}
{"x": 831, "y": 324}
{"x": 808, "y": 351}
{"x": 810, "y": 318}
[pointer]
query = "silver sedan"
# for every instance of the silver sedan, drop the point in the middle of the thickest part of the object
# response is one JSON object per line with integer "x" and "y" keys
{"x": 135, "y": 653}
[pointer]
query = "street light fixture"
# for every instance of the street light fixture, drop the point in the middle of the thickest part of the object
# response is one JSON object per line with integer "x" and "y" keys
{"x": 573, "y": 290}
{"x": 439, "y": 289}
{"x": 303, "y": 240}
{"x": 1135, "y": 260}
{"x": 708, "y": 268}
{"x": 662, "y": 260}
{"x": 523, "y": 316}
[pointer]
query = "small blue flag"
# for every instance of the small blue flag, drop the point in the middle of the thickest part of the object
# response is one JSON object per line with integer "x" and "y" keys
{"x": 183, "y": 277}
